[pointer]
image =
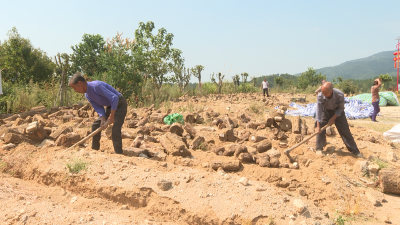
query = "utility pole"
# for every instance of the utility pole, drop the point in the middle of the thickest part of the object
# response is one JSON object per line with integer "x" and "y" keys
{"x": 396, "y": 60}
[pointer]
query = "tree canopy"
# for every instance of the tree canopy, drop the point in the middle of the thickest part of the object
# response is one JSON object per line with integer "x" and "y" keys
{"x": 310, "y": 77}
{"x": 21, "y": 62}
{"x": 86, "y": 56}
{"x": 153, "y": 53}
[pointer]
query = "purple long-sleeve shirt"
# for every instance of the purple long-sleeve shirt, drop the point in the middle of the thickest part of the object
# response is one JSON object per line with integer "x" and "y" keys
{"x": 101, "y": 94}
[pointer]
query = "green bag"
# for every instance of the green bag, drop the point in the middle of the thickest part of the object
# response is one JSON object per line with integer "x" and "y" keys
{"x": 173, "y": 118}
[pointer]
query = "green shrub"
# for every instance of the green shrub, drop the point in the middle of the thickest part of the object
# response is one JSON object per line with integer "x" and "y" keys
{"x": 382, "y": 164}
{"x": 77, "y": 166}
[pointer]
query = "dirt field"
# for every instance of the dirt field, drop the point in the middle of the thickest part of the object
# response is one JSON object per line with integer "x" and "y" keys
{"x": 165, "y": 185}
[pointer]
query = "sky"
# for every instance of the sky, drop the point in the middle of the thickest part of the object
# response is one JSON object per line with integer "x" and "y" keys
{"x": 232, "y": 37}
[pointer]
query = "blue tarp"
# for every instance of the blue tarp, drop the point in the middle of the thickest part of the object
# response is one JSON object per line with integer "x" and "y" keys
{"x": 354, "y": 109}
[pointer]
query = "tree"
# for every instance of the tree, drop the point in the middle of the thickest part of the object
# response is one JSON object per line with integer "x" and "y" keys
{"x": 340, "y": 80}
{"x": 278, "y": 81}
{"x": 385, "y": 78}
{"x": 254, "y": 81}
{"x": 181, "y": 74}
{"x": 187, "y": 74}
{"x": 220, "y": 79}
{"x": 118, "y": 60}
{"x": 22, "y": 62}
{"x": 197, "y": 73}
{"x": 153, "y": 53}
{"x": 244, "y": 80}
{"x": 236, "y": 79}
{"x": 347, "y": 87}
{"x": 86, "y": 56}
{"x": 62, "y": 68}
{"x": 310, "y": 77}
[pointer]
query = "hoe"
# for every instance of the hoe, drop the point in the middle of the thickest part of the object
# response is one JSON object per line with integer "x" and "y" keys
{"x": 87, "y": 137}
{"x": 287, "y": 151}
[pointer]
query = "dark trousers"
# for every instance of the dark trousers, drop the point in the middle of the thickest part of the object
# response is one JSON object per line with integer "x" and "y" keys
{"x": 343, "y": 128}
{"x": 377, "y": 109}
{"x": 265, "y": 90}
{"x": 119, "y": 119}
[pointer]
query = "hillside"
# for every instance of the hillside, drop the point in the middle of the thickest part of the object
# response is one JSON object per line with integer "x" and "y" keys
{"x": 369, "y": 67}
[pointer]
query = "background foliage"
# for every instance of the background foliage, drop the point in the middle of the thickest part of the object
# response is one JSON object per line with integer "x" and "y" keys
{"x": 146, "y": 70}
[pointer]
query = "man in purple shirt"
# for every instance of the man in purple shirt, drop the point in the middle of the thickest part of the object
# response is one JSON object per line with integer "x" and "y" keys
{"x": 101, "y": 95}
{"x": 330, "y": 110}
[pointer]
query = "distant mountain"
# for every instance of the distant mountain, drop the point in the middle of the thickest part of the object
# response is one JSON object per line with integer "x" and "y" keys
{"x": 369, "y": 67}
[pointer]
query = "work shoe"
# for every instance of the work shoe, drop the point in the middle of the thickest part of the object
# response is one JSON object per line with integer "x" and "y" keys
{"x": 359, "y": 155}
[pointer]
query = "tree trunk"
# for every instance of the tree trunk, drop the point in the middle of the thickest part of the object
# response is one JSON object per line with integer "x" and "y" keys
{"x": 231, "y": 165}
{"x": 296, "y": 128}
{"x": 285, "y": 124}
{"x": 59, "y": 131}
{"x": 62, "y": 88}
{"x": 12, "y": 118}
{"x": 16, "y": 138}
{"x": 190, "y": 130}
{"x": 67, "y": 140}
{"x": 174, "y": 145}
{"x": 199, "y": 81}
{"x": 304, "y": 127}
{"x": 389, "y": 180}
{"x": 142, "y": 122}
{"x": 176, "y": 128}
{"x": 269, "y": 120}
{"x": 281, "y": 135}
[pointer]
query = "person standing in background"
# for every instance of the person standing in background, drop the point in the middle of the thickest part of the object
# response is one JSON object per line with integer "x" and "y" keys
{"x": 375, "y": 98}
{"x": 265, "y": 86}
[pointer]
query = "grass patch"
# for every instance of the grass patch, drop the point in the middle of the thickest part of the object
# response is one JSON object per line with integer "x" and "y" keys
{"x": 203, "y": 146}
{"x": 77, "y": 166}
{"x": 271, "y": 222}
{"x": 191, "y": 107}
{"x": 340, "y": 220}
{"x": 3, "y": 165}
{"x": 380, "y": 127}
{"x": 382, "y": 164}
{"x": 182, "y": 109}
{"x": 256, "y": 108}
{"x": 167, "y": 105}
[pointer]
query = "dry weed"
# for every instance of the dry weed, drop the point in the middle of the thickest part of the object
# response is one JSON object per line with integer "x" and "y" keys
{"x": 12, "y": 163}
{"x": 380, "y": 127}
{"x": 352, "y": 204}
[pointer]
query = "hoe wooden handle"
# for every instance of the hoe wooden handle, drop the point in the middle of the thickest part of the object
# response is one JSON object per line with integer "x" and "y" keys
{"x": 89, "y": 136}
{"x": 287, "y": 151}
